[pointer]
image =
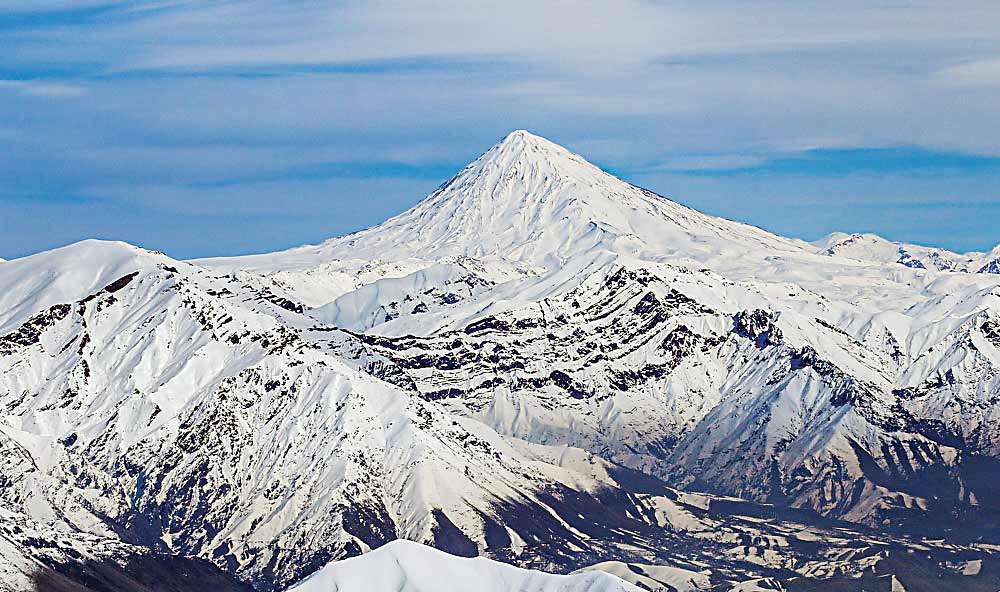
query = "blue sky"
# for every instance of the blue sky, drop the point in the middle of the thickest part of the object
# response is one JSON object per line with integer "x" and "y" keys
{"x": 210, "y": 128}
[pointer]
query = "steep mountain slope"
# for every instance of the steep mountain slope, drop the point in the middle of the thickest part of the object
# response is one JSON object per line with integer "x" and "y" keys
{"x": 990, "y": 262}
{"x": 192, "y": 414}
{"x": 665, "y": 372}
{"x": 147, "y": 401}
{"x": 403, "y": 566}
{"x": 530, "y": 199}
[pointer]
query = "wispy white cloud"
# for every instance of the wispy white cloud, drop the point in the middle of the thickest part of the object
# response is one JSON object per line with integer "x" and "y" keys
{"x": 708, "y": 162}
{"x": 592, "y": 36}
{"x": 42, "y": 89}
{"x": 976, "y": 73}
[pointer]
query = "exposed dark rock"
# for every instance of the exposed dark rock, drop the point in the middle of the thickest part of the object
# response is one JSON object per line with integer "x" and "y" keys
{"x": 759, "y": 326}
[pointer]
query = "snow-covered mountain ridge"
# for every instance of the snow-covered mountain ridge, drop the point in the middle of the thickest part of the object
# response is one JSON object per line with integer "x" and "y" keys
{"x": 871, "y": 247}
{"x": 539, "y": 363}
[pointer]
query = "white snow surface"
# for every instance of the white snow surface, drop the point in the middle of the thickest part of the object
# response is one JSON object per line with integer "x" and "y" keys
{"x": 64, "y": 275}
{"x": 403, "y": 566}
{"x": 873, "y": 248}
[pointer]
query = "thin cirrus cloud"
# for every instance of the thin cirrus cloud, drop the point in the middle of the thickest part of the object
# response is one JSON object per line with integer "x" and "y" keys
{"x": 177, "y": 108}
{"x": 710, "y": 162}
{"x": 977, "y": 73}
{"x": 41, "y": 89}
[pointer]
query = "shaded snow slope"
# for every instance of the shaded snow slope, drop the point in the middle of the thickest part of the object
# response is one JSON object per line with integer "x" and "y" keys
{"x": 429, "y": 289}
{"x": 656, "y": 578}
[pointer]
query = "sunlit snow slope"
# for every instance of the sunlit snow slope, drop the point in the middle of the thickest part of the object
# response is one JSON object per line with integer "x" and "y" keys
{"x": 403, "y": 566}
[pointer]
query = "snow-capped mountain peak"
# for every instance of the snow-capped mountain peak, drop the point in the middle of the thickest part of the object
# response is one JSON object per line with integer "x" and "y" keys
{"x": 526, "y": 146}
{"x": 529, "y": 199}
{"x": 67, "y": 274}
{"x": 530, "y": 202}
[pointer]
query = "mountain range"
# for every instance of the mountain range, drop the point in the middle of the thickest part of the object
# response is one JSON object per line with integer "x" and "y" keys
{"x": 539, "y": 364}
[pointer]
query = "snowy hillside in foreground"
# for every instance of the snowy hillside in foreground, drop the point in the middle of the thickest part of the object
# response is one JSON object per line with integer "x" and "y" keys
{"x": 403, "y": 566}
